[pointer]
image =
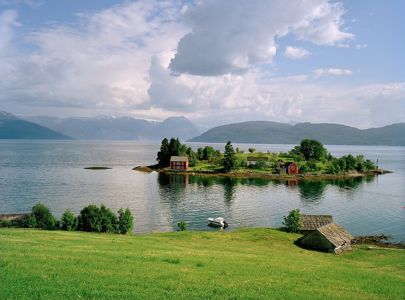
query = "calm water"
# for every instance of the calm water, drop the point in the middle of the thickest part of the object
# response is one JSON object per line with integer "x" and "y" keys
{"x": 52, "y": 173}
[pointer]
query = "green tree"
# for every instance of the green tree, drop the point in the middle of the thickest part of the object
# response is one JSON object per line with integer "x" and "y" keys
{"x": 89, "y": 219}
{"x": 350, "y": 162}
{"x": 43, "y": 217}
{"x": 163, "y": 156}
{"x": 229, "y": 160}
{"x": 108, "y": 220}
{"x": 252, "y": 150}
{"x": 125, "y": 221}
{"x": 292, "y": 221}
{"x": 311, "y": 149}
{"x": 68, "y": 221}
{"x": 169, "y": 149}
{"x": 192, "y": 157}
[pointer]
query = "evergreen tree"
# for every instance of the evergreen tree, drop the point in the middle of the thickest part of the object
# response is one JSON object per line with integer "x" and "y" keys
{"x": 163, "y": 156}
{"x": 229, "y": 161}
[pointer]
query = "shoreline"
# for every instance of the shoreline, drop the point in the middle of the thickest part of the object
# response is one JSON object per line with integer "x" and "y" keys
{"x": 257, "y": 175}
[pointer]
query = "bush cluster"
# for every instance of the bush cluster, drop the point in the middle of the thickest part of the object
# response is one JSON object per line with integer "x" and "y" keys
{"x": 292, "y": 221}
{"x": 348, "y": 163}
{"x": 91, "y": 219}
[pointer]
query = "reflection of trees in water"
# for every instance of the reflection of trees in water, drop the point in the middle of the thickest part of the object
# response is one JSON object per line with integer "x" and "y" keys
{"x": 229, "y": 190}
{"x": 207, "y": 181}
{"x": 172, "y": 187}
{"x": 312, "y": 191}
{"x": 352, "y": 182}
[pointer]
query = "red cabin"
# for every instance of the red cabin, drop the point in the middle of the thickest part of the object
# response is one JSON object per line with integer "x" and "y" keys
{"x": 179, "y": 163}
{"x": 291, "y": 168}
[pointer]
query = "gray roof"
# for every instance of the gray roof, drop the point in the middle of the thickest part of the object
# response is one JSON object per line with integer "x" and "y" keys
{"x": 179, "y": 158}
{"x": 335, "y": 234}
{"x": 312, "y": 222}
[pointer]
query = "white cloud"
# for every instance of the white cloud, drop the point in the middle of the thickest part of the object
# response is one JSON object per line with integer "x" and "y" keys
{"x": 361, "y": 46}
{"x": 342, "y": 45}
{"x": 296, "y": 53}
{"x": 232, "y": 36}
{"x": 8, "y": 20}
{"x": 332, "y": 72}
{"x": 116, "y": 61}
{"x": 102, "y": 62}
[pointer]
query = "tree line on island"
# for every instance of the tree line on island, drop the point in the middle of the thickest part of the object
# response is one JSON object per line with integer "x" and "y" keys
{"x": 90, "y": 219}
{"x": 310, "y": 156}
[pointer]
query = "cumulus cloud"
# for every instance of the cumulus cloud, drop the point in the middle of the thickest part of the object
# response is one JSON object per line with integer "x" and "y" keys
{"x": 332, "y": 72}
{"x": 166, "y": 91}
{"x": 296, "y": 53}
{"x": 8, "y": 20}
{"x": 232, "y": 36}
{"x": 101, "y": 62}
{"x": 292, "y": 100}
{"x": 121, "y": 60}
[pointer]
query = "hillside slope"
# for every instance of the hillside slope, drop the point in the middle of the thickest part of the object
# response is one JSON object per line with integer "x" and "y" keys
{"x": 120, "y": 128}
{"x": 262, "y": 132}
{"x": 243, "y": 264}
{"x": 12, "y": 127}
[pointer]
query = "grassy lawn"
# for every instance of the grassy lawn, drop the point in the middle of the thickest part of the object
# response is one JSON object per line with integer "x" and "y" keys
{"x": 245, "y": 264}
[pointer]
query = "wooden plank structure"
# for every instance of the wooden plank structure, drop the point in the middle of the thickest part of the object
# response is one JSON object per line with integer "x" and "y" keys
{"x": 331, "y": 237}
{"x": 312, "y": 222}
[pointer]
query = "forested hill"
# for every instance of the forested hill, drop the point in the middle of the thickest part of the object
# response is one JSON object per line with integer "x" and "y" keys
{"x": 263, "y": 132}
{"x": 12, "y": 127}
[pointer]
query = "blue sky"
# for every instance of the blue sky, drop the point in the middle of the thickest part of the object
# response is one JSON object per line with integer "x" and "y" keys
{"x": 214, "y": 62}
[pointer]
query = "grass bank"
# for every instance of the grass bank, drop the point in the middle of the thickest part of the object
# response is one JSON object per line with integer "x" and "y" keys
{"x": 245, "y": 264}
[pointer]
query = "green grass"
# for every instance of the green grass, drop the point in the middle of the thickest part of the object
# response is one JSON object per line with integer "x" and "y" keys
{"x": 245, "y": 264}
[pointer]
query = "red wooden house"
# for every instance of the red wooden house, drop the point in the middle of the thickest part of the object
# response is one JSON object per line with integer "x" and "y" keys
{"x": 179, "y": 163}
{"x": 291, "y": 168}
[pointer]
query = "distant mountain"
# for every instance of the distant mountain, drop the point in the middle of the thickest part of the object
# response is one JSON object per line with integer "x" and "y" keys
{"x": 12, "y": 127}
{"x": 262, "y": 132}
{"x": 119, "y": 128}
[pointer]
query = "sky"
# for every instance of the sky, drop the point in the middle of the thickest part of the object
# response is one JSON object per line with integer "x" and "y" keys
{"x": 212, "y": 61}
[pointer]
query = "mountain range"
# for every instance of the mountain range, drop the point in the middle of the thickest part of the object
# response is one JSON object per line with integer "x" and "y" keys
{"x": 12, "y": 127}
{"x": 254, "y": 132}
{"x": 263, "y": 132}
{"x": 119, "y": 128}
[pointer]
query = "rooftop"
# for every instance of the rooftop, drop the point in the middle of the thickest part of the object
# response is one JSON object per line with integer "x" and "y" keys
{"x": 179, "y": 158}
{"x": 312, "y": 222}
{"x": 335, "y": 234}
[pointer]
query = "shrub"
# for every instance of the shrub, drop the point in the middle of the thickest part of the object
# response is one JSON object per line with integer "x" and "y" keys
{"x": 251, "y": 150}
{"x": 68, "y": 221}
{"x": 182, "y": 225}
{"x": 41, "y": 217}
{"x": 108, "y": 220}
{"x": 89, "y": 219}
{"x": 125, "y": 221}
{"x": 292, "y": 221}
{"x": 303, "y": 169}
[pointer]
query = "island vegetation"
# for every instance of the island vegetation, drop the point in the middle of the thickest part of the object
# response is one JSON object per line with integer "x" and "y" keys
{"x": 310, "y": 157}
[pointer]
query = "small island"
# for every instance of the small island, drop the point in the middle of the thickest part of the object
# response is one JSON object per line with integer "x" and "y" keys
{"x": 308, "y": 160}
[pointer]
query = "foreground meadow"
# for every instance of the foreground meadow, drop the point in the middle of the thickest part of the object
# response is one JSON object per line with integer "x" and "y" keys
{"x": 243, "y": 264}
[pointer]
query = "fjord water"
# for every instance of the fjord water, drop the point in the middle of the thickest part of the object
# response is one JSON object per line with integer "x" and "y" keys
{"x": 52, "y": 172}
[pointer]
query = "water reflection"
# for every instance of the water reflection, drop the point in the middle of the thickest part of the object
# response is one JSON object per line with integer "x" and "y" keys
{"x": 229, "y": 191}
{"x": 312, "y": 192}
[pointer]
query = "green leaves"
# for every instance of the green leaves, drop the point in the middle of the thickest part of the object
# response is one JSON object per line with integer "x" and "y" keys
{"x": 292, "y": 221}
